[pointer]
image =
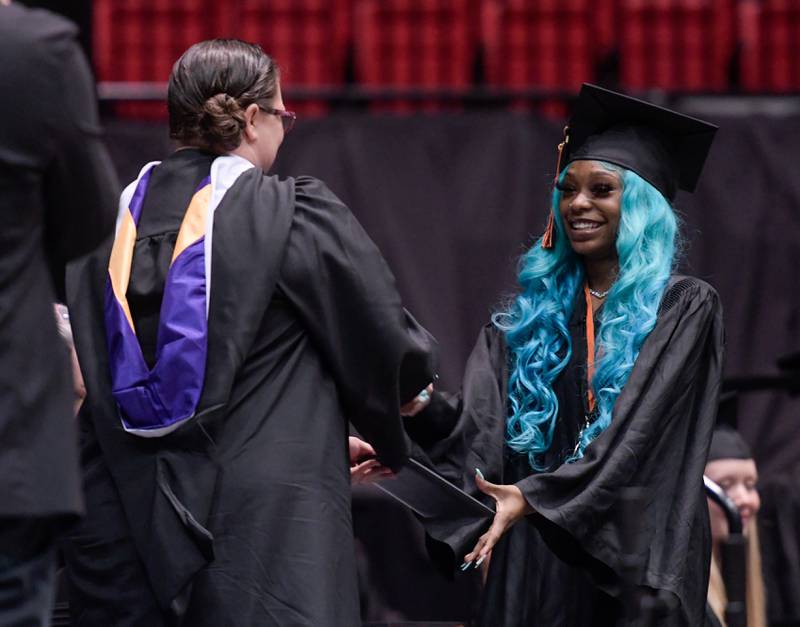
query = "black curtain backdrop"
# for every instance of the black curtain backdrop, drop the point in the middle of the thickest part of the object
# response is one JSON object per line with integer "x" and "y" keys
{"x": 453, "y": 200}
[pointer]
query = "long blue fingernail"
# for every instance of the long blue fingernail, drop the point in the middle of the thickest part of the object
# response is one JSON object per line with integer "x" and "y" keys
{"x": 480, "y": 561}
{"x": 479, "y": 473}
{"x": 466, "y": 565}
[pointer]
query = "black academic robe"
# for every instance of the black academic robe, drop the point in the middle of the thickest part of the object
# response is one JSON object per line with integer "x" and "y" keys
{"x": 57, "y": 191}
{"x": 779, "y": 525}
{"x": 563, "y": 565}
{"x": 242, "y": 516}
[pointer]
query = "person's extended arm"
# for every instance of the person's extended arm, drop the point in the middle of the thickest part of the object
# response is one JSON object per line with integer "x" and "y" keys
{"x": 379, "y": 356}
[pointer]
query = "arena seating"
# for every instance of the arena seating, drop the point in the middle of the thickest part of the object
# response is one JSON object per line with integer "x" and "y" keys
{"x": 683, "y": 45}
{"x": 414, "y": 44}
{"x": 546, "y": 44}
{"x": 550, "y": 45}
{"x": 139, "y": 40}
{"x": 769, "y": 32}
{"x": 309, "y": 38}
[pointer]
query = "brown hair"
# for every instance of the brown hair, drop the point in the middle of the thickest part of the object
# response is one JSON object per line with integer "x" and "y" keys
{"x": 211, "y": 85}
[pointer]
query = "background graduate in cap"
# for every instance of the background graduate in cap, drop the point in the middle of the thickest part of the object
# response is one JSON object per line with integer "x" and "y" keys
{"x": 732, "y": 467}
{"x": 602, "y": 373}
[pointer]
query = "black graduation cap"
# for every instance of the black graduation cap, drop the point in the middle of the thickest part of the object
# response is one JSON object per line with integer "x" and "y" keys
{"x": 666, "y": 148}
{"x": 726, "y": 443}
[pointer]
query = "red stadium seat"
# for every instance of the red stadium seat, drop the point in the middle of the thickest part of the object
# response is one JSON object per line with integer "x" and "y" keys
{"x": 605, "y": 27}
{"x": 683, "y": 45}
{"x": 139, "y": 40}
{"x": 547, "y": 44}
{"x": 769, "y": 32}
{"x": 414, "y": 44}
{"x": 308, "y": 38}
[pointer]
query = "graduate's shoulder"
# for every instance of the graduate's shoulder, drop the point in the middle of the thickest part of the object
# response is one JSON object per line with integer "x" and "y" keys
{"x": 306, "y": 190}
{"x": 312, "y": 194}
{"x": 684, "y": 291}
{"x": 306, "y": 194}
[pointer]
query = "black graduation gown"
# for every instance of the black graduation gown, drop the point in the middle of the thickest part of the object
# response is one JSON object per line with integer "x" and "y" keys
{"x": 242, "y": 517}
{"x": 561, "y": 566}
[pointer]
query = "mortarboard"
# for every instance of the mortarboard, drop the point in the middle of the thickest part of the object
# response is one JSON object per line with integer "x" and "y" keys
{"x": 726, "y": 443}
{"x": 664, "y": 147}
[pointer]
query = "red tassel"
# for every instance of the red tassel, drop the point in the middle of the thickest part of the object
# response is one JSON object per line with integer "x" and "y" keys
{"x": 547, "y": 238}
{"x": 561, "y": 147}
{"x": 549, "y": 232}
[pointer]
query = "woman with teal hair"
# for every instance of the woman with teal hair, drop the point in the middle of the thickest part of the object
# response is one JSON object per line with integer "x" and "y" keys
{"x": 595, "y": 387}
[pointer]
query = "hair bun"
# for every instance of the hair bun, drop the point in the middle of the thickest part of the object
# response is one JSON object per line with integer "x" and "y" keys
{"x": 221, "y": 122}
{"x": 235, "y": 74}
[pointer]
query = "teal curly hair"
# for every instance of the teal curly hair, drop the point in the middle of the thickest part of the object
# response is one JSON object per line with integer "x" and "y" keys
{"x": 535, "y": 321}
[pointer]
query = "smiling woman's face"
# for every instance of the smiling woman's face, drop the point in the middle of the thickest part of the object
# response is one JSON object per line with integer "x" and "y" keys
{"x": 738, "y": 477}
{"x": 591, "y": 196}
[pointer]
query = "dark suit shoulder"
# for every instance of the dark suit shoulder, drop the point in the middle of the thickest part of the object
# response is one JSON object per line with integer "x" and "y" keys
{"x": 33, "y": 31}
{"x": 44, "y": 49}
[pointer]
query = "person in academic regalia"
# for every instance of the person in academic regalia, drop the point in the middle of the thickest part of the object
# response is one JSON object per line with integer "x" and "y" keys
{"x": 57, "y": 189}
{"x": 601, "y": 374}
{"x": 225, "y": 336}
{"x": 732, "y": 467}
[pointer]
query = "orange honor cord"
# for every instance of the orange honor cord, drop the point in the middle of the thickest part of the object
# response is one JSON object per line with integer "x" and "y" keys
{"x": 589, "y": 347}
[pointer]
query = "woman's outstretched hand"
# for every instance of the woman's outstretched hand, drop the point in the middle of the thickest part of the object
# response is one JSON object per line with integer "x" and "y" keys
{"x": 419, "y": 402}
{"x": 364, "y": 468}
{"x": 510, "y": 506}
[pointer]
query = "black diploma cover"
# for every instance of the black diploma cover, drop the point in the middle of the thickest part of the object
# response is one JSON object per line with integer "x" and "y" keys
{"x": 429, "y": 495}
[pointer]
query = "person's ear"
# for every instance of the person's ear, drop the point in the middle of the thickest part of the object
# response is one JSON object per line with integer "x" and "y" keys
{"x": 250, "y": 113}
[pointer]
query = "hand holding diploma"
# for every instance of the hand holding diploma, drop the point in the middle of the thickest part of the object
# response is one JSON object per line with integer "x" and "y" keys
{"x": 364, "y": 468}
{"x": 510, "y": 507}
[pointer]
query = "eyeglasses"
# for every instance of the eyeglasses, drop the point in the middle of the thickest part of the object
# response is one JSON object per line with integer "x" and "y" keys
{"x": 288, "y": 118}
